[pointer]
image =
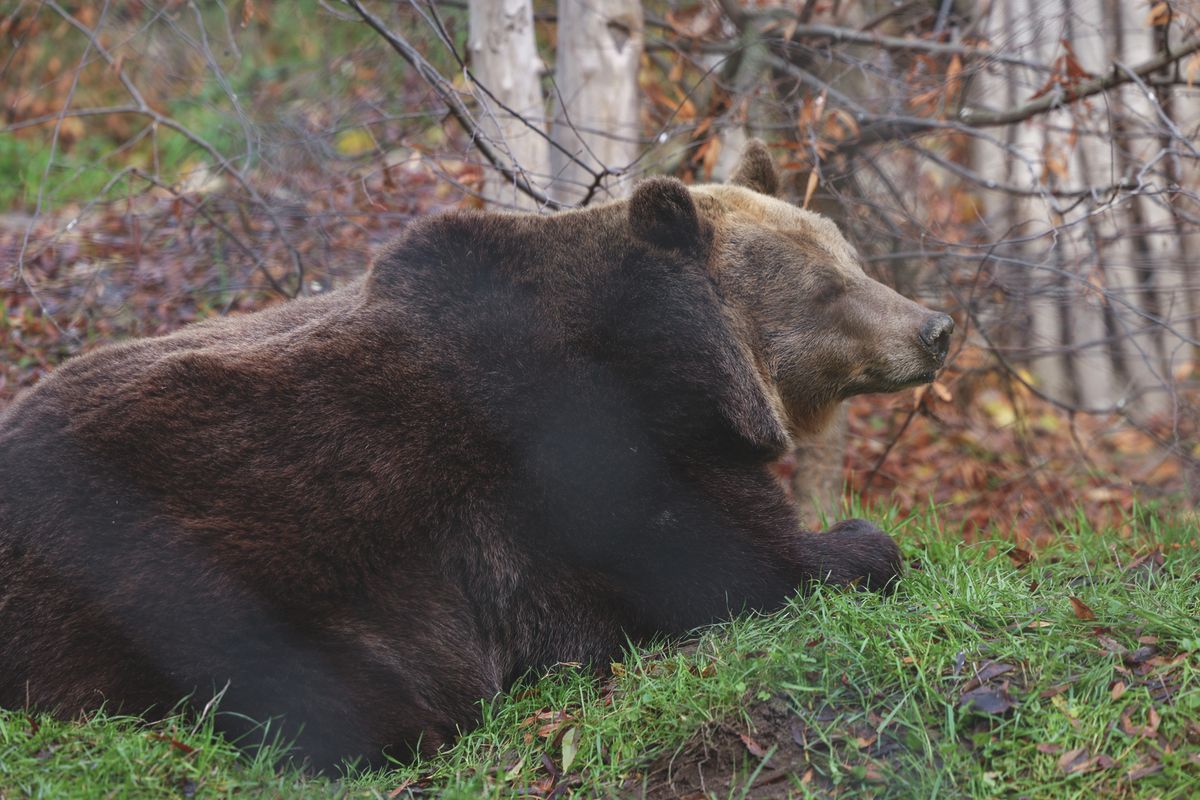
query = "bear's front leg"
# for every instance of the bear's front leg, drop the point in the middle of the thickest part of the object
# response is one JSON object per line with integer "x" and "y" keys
{"x": 852, "y": 552}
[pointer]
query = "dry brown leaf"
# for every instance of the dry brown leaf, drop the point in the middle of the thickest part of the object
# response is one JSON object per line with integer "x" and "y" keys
{"x": 1072, "y": 760}
{"x": 1081, "y": 609}
{"x": 1054, "y": 691}
{"x": 407, "y": 782}
{"x": 1192, "y": 69}
{"x": 756, "y": 749}
{"x": 1139, "y": 656}
{"x": 1142, "y": 771}
{"x": 988, "y": 699}
{"x": 1147, "y": 731}
{"x": 813, "y": 180}
{"x": 694, "y": 22}
{"x": 711, "y": 152}
{"x": 1159, "y": 15}
{"x": 1020, "y": 557}
{"x": 1149, "y": 564}
{"x": 1079, "y": 761}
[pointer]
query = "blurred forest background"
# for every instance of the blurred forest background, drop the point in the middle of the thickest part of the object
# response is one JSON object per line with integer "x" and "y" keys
{"x": 1029, "y": 166}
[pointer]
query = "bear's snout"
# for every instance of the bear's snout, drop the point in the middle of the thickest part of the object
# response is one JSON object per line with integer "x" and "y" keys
{"x": 935, "y": 336}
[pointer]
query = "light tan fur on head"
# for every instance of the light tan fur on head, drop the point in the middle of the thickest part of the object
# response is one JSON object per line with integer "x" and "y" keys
{"x": 822, "y": 329}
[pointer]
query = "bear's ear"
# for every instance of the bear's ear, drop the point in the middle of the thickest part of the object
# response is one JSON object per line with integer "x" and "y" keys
{"x": 756, "y": 170}
{"x": 663, "y": 213}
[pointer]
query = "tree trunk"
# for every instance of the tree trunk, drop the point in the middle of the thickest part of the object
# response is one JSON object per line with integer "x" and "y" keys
{"x": 505, "y": 62}
{"x": 819, "y": 478}
{"x": 1097, "y": 277}
{"x": 597, "y": 122}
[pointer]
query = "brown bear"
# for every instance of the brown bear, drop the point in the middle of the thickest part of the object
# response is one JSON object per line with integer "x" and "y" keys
{"x": 517, "y": 441}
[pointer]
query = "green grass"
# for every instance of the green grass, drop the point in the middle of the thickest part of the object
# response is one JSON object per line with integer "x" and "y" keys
{"x": 873, "y": 686}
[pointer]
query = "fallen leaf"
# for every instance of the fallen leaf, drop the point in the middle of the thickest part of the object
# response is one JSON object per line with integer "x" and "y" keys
{"x": 187, "y": 749}
{"x": 1140, "y": 655}
{"x": 1053, "y": 691}
{"x": 182, "y": 747}
{"x": 1148, "y": 731}
{"x": 987, "y": 699}
{"x": 1118, "y": 690}
{"x": 992, "y": 669}
{"x": 1073, "y": 760}
{"x": 1020, "y": 557}
{"x": 756, "y": 749}
{"x": 1081, "y": 609}
{"x": 1142, "y": 771}
{"x": 545, "y": 731}
{"x": 987, "y": 672}
{"x": 570, "y": 748}
{"x": 1078, "y": 761}
{"x": 512, "y": 773}
{"x": 394, "y": 793}
{"x": 1049, "y": 749}
{"x": 1146, "y": 566}
{"x": 548, "y": 764}
{"x": 813, "y": 180}
{"x": 1064, "y": 708}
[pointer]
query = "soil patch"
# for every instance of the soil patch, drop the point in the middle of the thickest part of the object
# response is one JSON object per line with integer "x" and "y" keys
{"x": 770, "y": 752}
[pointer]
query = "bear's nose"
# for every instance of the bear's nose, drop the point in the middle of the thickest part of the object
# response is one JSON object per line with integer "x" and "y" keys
{"x": 935, "y": 335}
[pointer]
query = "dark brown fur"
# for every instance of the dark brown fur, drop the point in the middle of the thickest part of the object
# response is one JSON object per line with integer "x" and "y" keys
{"x": 517, "y": 441}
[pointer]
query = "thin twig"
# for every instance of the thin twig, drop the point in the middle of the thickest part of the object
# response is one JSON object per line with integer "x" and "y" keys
{"x": 454, "y": 104}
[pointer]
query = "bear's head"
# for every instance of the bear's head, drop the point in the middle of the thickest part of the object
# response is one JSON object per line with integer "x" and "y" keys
{"x": 820, "y": 329}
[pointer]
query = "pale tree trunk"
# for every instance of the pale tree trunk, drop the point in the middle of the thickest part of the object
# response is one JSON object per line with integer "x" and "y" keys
{"x": 1096, "y": 278}
{"x": 597, "y": 110}
{"x": 819, "y": 478}
{"x": 505, "y": 61}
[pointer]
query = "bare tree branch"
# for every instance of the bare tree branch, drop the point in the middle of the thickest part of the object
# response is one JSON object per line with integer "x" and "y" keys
{"x": 143, "y": 108}
{"x": 457, "y": 108}
{"x": 881, "y": 128}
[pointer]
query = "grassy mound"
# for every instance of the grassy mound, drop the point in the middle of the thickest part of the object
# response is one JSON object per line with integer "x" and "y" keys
{"x": 992, "y": 672}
